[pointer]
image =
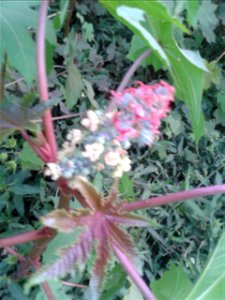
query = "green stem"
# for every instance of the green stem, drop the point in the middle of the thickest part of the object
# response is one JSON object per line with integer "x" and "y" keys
{"x": 175, "y": 197}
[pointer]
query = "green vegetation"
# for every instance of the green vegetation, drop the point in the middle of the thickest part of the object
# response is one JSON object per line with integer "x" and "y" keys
{"x": 90, "y": 46}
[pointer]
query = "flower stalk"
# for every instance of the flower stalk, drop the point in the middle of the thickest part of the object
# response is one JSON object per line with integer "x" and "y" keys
{"x": 174, "y": 197}
{"x": 134, "y": 275}
{"x": 42, "y": 79}
{"x": 25, "y": 237}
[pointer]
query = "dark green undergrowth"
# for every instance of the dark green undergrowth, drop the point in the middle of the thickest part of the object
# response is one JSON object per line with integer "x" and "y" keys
{"x": 185, "y": 233}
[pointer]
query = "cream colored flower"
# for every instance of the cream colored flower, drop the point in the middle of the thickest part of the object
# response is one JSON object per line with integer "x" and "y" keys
{"x": 93, "y": 151}
{"x": 53, "y": 170}
{"x": 74, "y": 136}
{"x": 92, "y": 121}
{"x": 118, "y": 173}
{"x": 112, "y": 158}
{"x": 86, "y": 122}
{"x": 125, "y": 164}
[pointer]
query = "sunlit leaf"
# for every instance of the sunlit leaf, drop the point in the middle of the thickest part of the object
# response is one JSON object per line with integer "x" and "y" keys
{"x": 174, "y": 284}
{"x": 211, "y": 283}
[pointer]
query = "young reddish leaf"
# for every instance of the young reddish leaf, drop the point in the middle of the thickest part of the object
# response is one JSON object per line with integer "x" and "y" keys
{"x": 65, "y": 221}
{"x": 88, "y": 191}
{"x": 120, "y": 238}
{"x": 76, "y": 253}
{"x": 128, "y": 219}
{"x": 103, "y": 253}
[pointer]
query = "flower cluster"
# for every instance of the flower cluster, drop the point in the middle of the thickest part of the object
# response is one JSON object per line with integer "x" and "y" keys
{"x": 94, "y": 148}
{"x": 101, "y": 144}
{"x": 140, "y": 111}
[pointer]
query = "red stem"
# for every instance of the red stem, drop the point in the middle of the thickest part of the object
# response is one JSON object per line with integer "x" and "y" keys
{"x": 128, "y": 75}
{"x": 42, "y": 152}
{"x": 42, "y": 79}
{"x": 134, "y": 275}
{"x": 175, "y": 197}
{"x": 24, "y": 237}
{"x": 47, "y": 291}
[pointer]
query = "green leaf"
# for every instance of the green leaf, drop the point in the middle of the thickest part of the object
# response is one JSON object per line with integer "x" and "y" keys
{"x": 192, "y": 12}
{"x": 16, "y": 42}
{"x": 213, "y": 76}
{"x": 137, "y": 47}
{"x": 24, "y": 189}
{"x": 15, "y": 116}
{"x": 126, "y": 187}
{"x": 29, "y": 158}
{"x": 174, "y": 284}
{"x": 74, "y": 85}
{"x": 134, "y": 18}
{"x": 133, "y": 293}
{"x": 188, "y": 88}
{"x": 151, "y": 22}
{"x": 207, "y": 20}
{"x": 16, "y": 292}
{"x": 60, "y": 241}
{"x": 211, "y": 283}
{"x": 58, "y": 290}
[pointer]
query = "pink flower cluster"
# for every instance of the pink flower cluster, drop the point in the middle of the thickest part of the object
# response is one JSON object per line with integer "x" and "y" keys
{"x": 140, "y": 111}
{"x": 100, "y": 144}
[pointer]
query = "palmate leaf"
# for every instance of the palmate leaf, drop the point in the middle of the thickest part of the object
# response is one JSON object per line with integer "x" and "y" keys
{"x": 100, "y": 222}
{"x": 186, "y": 67}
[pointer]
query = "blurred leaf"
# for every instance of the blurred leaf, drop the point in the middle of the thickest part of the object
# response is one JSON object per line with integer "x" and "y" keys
{"x": 188, "y": 88}
{"x": 174, "y": 284}
{"x": 207, "y": 20}
{"x": 16, "y": 41}
{"x": 15, "y": 18}
{"x": 15, "y": 116}
{"x": 16, "y": 292}
{"x": 221, "y": 100}
{"x": 133, "y": 293}
{"x": 221, "y": 12}
{"x": 126, "y": 187}
{"x": 19, "y": 205}
{"x": 192, "y": 12}
{"x": 90, "y": 93}
{"x": 211, "y": 283}
{"x": 213, "y": 76}
{"x": 98, "y": 182}
{"x": 58, "y": 290}
{"x": 24, "y": 189}
{"x": 74, "y": 85}
{"x": 29, "y": 158}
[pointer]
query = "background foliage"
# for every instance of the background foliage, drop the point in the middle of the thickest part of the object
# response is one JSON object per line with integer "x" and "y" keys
{"x": 94, "y": 50}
